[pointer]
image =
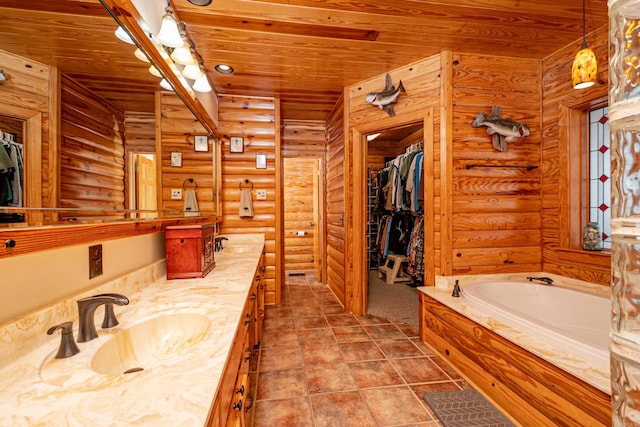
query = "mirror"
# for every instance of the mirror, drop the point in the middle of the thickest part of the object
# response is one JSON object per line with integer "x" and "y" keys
{"x": 78, "y": 38}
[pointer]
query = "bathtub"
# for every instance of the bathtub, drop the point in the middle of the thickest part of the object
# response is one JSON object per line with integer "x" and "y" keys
{"x": 574, "y": 321}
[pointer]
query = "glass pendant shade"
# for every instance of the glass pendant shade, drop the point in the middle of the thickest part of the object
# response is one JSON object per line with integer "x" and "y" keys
{"x": 182, "y": 55}
{"x": 192, "y": 71}
{"x": 165, "y": 85}
{"x": 123, "y": 35}
{"x": 154, "y": 71}
{"x": 169, "y": 34}
{"x": 585, "y": 68}
{"x": 140, "y": 55}
{"x": 202, "y": 84}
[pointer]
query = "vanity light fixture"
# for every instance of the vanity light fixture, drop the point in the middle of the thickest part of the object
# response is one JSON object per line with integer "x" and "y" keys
{"x": 585, "y": 66}
{"x": 3, "y": 78}
{"x": 169, "y": 34}
{"x": 183, "y": 54}
{"x": 224, "y": 69}
{"x": 140, "y": 55}
{"x": 154, "y": 71}
{"x": 195, "y": 70}
{"x": 164, "y": 83}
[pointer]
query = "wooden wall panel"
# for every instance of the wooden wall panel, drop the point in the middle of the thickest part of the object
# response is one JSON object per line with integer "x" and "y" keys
{"x": 303, "y": 138}
{"x": 29, "y": 88}
{"x": 558, "y": 94}
{"x": 335, "y": 208}
{"x": 91, "y": 152}
{"x": 257, "y": 121}
{"x": 495, "y": 211}
{"x": 177, "y": 128}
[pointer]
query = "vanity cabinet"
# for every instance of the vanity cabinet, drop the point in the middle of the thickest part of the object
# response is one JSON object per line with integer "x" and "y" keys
{"x": 190, "y": 250}
{"x": 234, "y": 400}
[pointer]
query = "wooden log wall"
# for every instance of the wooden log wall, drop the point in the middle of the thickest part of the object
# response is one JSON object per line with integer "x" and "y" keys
{"x": 257, "y": 121}
{"x": 303, "y": 151}
{"x": 420, "y": 104}
{"x": 91, "y": 152}
{"x": 558, "y": 255}
{"x": 335, "y": 209}
{"x": 496, "y": 210}
{"x": 177, "y": 128}
{"x": 31, "y": 89}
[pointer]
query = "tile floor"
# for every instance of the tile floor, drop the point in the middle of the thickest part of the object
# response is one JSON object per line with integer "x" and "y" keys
{"x": 319, "y": 366}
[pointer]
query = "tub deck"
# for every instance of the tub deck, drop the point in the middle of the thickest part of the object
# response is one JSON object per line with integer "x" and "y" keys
{"x": 524, "y": 384}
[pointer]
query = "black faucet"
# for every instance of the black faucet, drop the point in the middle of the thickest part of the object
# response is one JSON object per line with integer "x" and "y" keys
{"x": 546, "y": 280}
{"x": 68, "y": 346}
{"x": 86, "y": 311}
{"x": 456, "y": 290}
{"x": 218, "y": 243}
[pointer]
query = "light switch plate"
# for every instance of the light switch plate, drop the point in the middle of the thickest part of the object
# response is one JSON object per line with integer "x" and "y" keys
{"x": 261, "y": 195}
{"x": 176, "y": 194}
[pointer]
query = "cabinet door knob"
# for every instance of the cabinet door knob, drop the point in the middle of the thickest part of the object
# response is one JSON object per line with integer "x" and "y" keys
{"x": 240, "y": 390}
{"x": 238, "y": 405}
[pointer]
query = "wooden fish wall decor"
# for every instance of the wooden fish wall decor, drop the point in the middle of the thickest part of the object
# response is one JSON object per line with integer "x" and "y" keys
{"x": 502, "y": 130}
{"x": 387, "y": 97}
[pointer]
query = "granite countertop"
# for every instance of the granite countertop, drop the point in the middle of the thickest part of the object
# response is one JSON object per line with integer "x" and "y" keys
{"x": 39, "y": 390}
{"x": 578, "y": 367}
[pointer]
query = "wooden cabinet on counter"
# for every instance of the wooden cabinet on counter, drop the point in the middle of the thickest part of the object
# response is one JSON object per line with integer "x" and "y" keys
{"x": 234, "y": 401}
{"x": 190, "y": 250}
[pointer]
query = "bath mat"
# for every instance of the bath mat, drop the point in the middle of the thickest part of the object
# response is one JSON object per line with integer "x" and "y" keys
{"x": 465, "y": 408}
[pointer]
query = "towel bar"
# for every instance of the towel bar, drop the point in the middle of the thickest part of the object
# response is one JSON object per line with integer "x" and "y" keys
{"x": 246, "y": 181}
{"x": 184, "y": 183}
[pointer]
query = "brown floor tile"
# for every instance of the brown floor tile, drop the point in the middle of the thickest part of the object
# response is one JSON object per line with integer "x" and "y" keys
{"x": 372, "y": 320}
{"x": 282, "y": 384}
{"x": 294, "y": 412}
{"x": 350, "y": 334}
{"x": 317, "y": 337}
{"x": 342, "y": 320}
{"x": 383, "y": 404}
{"x": 314, "y": 322}
{"x": 279, "y": 338}
{"x": 340, "y": 409}
{"x": 384, "y": 332}
{"x": 395, "y": 349}
{"x": 446, "y": 368}
{"x": 360, "y": 351}
{"x": 333, "y": 309}
{"x": 419, "y": 370}
{"x": 307, "y": 310}
{"x": 410, "y": 331}
{"x": 278, "y": 312}
{"x": 423, "y": 347}
{"x": 319, "y": 355}
{"x": 329, "y": 378}
{"x": 375, "y": 373}
{"x": 278, "y": 324}
{"x": 277, "y": 358}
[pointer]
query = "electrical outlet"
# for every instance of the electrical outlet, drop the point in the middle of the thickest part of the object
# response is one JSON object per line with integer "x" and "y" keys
{"x": 261, "y": 195}
{"x": 176, "y": 194}
{"x": 95, "y": 261}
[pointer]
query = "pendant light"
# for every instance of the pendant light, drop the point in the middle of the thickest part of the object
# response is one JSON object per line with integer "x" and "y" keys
{"x": 585, "y": 66}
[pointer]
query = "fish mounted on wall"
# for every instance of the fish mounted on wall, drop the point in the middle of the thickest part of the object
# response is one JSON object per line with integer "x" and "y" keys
{"x": 387, "y": 97}
{"x": 502, "y": 130}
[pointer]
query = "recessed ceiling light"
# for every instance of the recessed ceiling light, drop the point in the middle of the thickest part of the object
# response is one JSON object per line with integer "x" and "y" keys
{"x": 224, "y": 68}
{"x": 200, "y": 2}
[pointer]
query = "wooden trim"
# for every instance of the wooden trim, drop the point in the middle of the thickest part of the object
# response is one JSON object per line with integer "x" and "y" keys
{"x": 55, "y": 141}
{"x": 428, "y": 165}
{"x": 29, "y": 240}
{"x": 446, "y": 162}
{"x": 358, "y": 236}
{"x": 280, "y": 273}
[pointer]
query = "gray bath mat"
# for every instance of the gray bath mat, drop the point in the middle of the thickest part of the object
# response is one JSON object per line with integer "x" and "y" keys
{"x": 465, "y": 408}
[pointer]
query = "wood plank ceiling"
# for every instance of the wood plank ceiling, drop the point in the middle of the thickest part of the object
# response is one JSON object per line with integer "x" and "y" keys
{"x": 302, "y": 51}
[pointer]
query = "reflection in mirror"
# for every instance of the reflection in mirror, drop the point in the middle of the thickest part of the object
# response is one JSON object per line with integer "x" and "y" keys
{"x": 11, "y": 170}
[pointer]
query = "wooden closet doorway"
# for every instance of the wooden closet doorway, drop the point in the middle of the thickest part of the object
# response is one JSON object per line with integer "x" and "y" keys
{"x": 303, "y": 239}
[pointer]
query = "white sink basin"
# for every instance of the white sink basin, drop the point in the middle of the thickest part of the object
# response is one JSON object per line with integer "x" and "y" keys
{"x": 153, "y": 342}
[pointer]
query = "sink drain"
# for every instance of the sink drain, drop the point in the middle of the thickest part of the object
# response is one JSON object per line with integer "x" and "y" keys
{"x": 132, "y": 370}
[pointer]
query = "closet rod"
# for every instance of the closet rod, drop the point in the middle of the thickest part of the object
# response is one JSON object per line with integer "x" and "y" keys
{"x": 530, "y": 167}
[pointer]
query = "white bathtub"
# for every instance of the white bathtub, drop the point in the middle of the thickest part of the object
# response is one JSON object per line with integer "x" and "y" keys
{"x": 573, "y": 321}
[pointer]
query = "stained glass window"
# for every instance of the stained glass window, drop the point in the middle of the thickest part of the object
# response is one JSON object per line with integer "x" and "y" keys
{"x": 600, "y": 173}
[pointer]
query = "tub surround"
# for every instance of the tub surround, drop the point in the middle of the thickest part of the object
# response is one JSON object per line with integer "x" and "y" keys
{"x": 40, "y": 390}
{"x": 482, "y": 349}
